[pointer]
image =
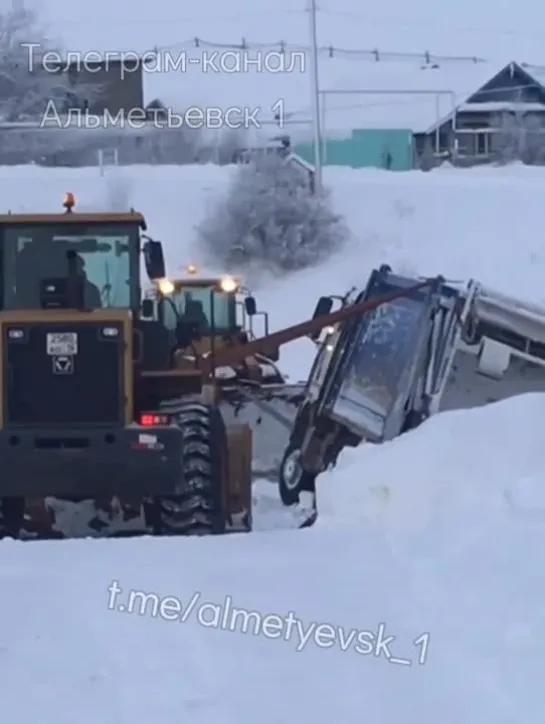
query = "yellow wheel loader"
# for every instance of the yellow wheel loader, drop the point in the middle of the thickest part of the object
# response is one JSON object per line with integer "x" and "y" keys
{"x": 101, "y": 431}
{"x": 252, "y": 390}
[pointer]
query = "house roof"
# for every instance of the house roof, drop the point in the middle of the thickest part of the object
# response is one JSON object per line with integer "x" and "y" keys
{"x": 480, "y": 106}
{"x": 536, "y": 72}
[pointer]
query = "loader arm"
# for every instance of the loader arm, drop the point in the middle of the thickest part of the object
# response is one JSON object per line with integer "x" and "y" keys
{"x": 236, "y": 355}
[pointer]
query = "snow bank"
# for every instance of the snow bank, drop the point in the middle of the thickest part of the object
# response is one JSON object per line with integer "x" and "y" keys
{"x": 478, "y": 464}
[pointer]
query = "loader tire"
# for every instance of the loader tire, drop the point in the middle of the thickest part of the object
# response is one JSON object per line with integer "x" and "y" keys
{"x": 199, "y": 508}
{"x": 292, "y": 479}
{"x": 12, "y": 513}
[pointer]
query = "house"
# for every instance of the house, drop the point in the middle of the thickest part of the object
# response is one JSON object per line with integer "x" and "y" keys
{"x": 510, "y": 102}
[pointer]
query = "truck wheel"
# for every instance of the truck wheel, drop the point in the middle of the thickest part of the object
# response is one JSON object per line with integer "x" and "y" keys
{"x": 12, "y": 512}
{"x": 292, "y": 479}
{"x": 199, "y": 507}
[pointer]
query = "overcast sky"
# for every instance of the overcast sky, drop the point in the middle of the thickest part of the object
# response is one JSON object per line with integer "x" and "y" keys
{"x": 465, "y": 27}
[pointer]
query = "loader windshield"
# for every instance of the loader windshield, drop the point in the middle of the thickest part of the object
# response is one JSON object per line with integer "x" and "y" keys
{"x": 206, "y": 305}
{"x": 374, "y": 375}
{"x": 385, "y": 348}
{"x": 105, "y": 256}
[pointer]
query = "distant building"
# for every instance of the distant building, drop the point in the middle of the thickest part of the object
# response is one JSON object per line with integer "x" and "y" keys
{"x": 113, "y": 84}
{"x": 507, "y": 109}
{"x": 394, "y": 114}
{"x": 279, "y": 145}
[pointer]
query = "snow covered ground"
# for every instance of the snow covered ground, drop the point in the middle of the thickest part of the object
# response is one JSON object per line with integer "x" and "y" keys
{"x": 444, "y": 551}
{"x": 435, "y": 538}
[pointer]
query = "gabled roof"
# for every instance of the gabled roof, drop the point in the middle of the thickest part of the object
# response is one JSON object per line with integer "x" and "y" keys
{"x": 469, "y": 104}
{"x": 534, "y": 72}
{"x": 528, "y": 76}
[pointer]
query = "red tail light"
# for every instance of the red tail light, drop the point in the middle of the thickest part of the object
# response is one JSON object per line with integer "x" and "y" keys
{"x": 148, "y": 419}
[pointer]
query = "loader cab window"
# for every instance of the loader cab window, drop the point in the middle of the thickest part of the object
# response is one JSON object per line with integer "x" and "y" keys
{"x": 387, "y": 343}
{"x": 195, "y": 303}
{"x": 106, "y": 257}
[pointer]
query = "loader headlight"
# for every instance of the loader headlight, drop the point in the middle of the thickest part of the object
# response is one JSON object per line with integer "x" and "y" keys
{"x": 165, "y": 287}
{"x": 228, "y": 284}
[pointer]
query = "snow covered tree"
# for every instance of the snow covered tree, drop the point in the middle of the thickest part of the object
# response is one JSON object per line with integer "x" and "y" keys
{"x": 271, "y": 218}
{"x": 27, "y": 83}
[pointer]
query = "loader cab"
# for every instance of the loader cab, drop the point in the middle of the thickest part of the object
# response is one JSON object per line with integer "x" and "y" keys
{"x": 202, "y": 309}
{"x": 83, "y": 262}
{"x": 70, "y": 260}
{"x": 212, "y": 311}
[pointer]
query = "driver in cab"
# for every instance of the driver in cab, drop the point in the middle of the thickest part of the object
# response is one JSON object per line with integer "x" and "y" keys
{"x": 91, "y": 293}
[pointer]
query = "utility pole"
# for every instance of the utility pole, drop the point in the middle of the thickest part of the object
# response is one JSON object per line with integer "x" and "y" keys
{"x": 315, "y": 80}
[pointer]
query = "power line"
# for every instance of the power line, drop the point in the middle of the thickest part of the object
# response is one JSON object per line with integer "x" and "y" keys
{"x": 329, "y": 51}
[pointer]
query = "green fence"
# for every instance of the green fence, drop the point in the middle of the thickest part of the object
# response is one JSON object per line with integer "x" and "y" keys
{"x": 366, "y": 148}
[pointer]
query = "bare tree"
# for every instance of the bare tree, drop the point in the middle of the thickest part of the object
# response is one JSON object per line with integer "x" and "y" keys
{"x": 27, "y": 82}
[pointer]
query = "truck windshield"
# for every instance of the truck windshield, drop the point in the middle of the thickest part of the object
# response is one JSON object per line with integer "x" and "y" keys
{"x": 195, "y": 304}
{"x": 102, "y": 256}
